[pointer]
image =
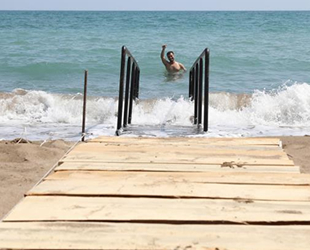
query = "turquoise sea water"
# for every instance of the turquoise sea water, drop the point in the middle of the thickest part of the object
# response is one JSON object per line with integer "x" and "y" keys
{"x": 252, "y": 53}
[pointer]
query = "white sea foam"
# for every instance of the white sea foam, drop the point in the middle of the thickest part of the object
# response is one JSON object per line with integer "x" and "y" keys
{"x": 41, "y": 115}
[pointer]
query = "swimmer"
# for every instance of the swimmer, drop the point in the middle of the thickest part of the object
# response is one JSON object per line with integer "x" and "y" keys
{"x": 172, "y": 66}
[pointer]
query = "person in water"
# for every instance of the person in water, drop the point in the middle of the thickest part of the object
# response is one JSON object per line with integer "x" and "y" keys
{"x": 172, "y": 66}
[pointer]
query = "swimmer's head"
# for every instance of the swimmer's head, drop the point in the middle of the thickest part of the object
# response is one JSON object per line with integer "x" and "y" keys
{"x": 170, "y": 55}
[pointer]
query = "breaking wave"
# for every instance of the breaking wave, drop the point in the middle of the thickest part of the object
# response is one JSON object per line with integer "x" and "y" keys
{"x": 287, "y": 106}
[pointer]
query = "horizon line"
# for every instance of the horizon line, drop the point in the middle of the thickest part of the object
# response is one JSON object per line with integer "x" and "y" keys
{"x": 152, "y": 10}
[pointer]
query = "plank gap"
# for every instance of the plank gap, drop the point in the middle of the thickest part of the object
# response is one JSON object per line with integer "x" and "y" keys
{"x": 173, "y": 222}
{"x": 167, "y": 197}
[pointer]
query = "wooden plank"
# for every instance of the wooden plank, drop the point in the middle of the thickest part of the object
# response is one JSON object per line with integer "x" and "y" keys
{"x": 202, "y": 140}
{"x": 191, "y": 177}
{"x": 59, "y": 208}
{"x": 158, "y": 160}
{"x": 186, "y": 146}
{"x": 181, "y": 153}
{"x": 142, "y": 185}
{"x": 163, "y": 167}
{"x": 94, "y": 236}
{"x": 169, "y": 159}
{"x": 179, "y": 157}
{"x": 188, "y": 150}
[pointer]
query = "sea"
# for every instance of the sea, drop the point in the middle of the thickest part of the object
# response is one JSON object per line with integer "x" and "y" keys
{"x": 259, "y": 72}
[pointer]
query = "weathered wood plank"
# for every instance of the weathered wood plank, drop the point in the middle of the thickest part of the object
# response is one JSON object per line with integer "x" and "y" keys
{"x": 109, "y": 236}
{"x": 178, "y": 153}
{"x": 59, "y": 208}
{"x": 180, "y": 157}
{"x": 142, "y": 185}
{"x": 202, "y": 140}
{"x": 175, "y": 152}
{"x": 190, "y": 177}
{"x": 172, "y": 149}
{"x": 163, "y": 167}
{"x": 185, "y": 146}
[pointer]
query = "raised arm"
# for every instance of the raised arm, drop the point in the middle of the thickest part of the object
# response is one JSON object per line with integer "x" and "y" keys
{"x": 162, "y": 55}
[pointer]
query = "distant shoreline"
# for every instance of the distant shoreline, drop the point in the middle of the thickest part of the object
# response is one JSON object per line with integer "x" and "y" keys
{"x": 156, "y": 10}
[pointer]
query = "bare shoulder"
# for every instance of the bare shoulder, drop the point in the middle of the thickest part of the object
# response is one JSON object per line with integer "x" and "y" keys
{"x": 182, "y": 66}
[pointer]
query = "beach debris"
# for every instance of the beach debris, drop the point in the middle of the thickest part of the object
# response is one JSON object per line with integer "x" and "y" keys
{"x": 289, "y": 211}
{"x": 43, "y": 143}
{"x": 232, "y": 164}
{"x": 20, "y": 140}
{"x": 290, "y": 157}
{"x": 242, "y": 200}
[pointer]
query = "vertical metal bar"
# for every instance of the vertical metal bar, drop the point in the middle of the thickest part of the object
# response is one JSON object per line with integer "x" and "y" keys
{"x": 133, "y": 78}
{"x": 206, "y": 91}
{"x": 200, "y": 91}
{"x": 121, "y": 89}
{"x": 136, "y": 95}
{"x": 190, "y": 90}
{"x": 193, "y": 85}
{"x": 84, "y": 104}
{"x": 196, "y": 94}
{"x": 125, "y": 121}
{"x": 138, "y": 86}
{"x": 134, "y": 86}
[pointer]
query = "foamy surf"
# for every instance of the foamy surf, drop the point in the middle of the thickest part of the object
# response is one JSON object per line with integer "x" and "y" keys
{"x": 38, "y": 115}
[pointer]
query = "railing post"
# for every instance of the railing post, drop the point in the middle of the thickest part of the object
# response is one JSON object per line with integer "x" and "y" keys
{"x": 137, "y": 83}
{"x": 191, "y": 85}
{"x": 200, "y": 92}
{"x": 206, "y": 91}
{"x": 127, "y": 91}
{"x": 84, "y": 105}
{"x": 121, "y": 90}
{"x": 196, "y": 94}
{"x": 133, "y": 80}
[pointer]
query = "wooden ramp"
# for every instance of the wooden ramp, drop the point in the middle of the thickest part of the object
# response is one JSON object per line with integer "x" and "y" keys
{"x": 166, "y": 193}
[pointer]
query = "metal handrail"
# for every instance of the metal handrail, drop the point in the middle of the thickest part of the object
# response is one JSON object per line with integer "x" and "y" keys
{"x": 199, "y": 74}
{"x": 131, "y": 88}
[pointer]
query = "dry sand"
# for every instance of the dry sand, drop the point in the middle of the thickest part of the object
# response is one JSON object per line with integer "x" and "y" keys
{"x": 22, "y": 165}
{"x": 298, "y": 149}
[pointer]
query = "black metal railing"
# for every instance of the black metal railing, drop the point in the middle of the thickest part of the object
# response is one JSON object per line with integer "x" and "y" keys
{"x": 131, "y": 88}
{"x": 199, "y": 88}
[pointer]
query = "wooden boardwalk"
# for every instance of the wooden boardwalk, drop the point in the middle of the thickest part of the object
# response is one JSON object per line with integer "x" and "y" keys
{"x": 166, "y": 193}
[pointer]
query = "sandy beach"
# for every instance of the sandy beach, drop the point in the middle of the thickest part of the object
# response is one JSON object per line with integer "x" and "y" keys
{"x": 23, "y": 164}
